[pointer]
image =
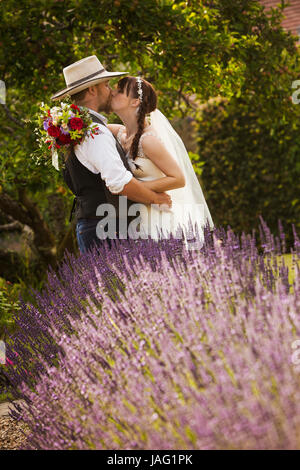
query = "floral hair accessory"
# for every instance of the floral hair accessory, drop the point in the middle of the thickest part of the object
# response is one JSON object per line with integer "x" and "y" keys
{"x": 140, "y": 90}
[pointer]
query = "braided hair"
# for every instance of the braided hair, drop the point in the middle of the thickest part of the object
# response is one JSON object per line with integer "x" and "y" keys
{"x": 147, "y": 105}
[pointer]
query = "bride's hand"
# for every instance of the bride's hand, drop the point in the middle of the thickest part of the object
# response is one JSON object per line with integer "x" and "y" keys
{"x": 163, "y": 200}
{"x": 164, "y": 208}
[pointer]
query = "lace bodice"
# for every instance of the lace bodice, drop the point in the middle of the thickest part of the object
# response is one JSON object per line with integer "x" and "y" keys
{"x": 142, "y": 167}
{"x": 141, "y": 153}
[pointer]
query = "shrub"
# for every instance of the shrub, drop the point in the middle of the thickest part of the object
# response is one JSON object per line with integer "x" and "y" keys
{"x": 64, "y": 297}
{"x": 188, "y": 350}
{"x": 8, "y": 305}
{"x": 250, "y": 164}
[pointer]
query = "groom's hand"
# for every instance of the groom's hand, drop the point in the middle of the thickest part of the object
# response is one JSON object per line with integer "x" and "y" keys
{"x": 136, "y": 191}
{"x": 163, "y": 199}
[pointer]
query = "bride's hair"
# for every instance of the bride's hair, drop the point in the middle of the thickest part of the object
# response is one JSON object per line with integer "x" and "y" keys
{"x": 148, "y": 104}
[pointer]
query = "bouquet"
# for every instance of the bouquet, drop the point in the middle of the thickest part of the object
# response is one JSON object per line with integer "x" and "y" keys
{"x": 61, "y": 128}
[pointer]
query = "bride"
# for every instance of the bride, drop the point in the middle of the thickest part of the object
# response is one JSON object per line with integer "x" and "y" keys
{"x": 157, "y": 156}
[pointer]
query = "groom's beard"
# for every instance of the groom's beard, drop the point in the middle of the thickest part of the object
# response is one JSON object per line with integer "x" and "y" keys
{"x": 107, "y": 107}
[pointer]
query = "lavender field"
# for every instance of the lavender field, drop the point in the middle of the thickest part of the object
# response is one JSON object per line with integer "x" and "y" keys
{"x": 153, "y": 346}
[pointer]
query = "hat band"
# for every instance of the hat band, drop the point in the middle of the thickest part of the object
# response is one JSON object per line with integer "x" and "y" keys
{"x": 82, "y": 80}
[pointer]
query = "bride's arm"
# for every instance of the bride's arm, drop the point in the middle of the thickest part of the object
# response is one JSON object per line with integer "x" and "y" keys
{"x": 114, "y": 128}
{"x": 157, "y": 152}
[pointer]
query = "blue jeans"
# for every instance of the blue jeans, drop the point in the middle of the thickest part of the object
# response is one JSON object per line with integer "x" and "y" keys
{"x": 86, "y": 234}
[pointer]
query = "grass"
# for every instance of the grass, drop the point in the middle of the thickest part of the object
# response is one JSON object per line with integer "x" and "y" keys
{"x": 288, "y": 262}
{"x": 5, "y": 397}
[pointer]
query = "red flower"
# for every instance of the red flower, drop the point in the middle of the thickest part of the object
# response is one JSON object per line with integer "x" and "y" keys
{"x": 76, "y": 123}
{"x": 53, "y": 131}
{"x": 73, "y": 106}
{"x": 65, "y": 139}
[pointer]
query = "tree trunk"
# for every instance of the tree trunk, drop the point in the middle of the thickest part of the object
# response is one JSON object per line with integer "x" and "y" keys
{"x": 67, "y": 243}
{"x": 26, "y": 212}
{"x": 43, "y": 238}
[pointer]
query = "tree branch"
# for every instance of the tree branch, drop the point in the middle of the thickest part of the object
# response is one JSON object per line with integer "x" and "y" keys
{"x": 12, "y": 118}
{"x": 11, "y": 227}
{"x": 14, "y": 209}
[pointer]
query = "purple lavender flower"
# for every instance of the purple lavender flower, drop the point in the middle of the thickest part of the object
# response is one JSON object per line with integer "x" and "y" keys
{"x": 172, "y": 349}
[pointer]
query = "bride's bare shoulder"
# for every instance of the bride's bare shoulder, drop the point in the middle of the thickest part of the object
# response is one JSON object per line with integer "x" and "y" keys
{"x": 151, "y": 144}
{"x": 149, "y": 137}
{"x": 115, "y": 128}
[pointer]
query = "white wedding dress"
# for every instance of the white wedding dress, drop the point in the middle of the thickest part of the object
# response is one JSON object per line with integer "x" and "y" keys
{"x": 180, "y": 220}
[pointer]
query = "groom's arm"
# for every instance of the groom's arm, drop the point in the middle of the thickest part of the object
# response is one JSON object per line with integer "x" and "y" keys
{"x": 136, "y": 191}
{"x": 100, "y": 155}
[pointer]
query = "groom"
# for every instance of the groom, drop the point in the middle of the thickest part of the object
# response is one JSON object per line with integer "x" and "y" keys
{"x": 97, "y": 171}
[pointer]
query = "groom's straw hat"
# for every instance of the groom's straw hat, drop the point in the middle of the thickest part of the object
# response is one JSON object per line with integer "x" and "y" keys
{"x": 83, "y": 74}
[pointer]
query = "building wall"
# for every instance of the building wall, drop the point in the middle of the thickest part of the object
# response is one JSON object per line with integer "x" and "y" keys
{"x": 291, "y": 21}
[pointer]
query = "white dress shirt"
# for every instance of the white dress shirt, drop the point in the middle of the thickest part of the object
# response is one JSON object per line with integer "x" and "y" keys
{"x": 100, "y": 155}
